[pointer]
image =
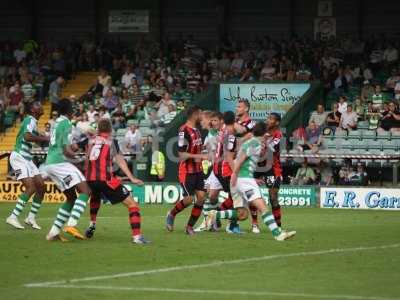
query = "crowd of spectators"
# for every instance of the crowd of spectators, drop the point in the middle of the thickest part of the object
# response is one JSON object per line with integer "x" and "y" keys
{"x": 149, "y": 83}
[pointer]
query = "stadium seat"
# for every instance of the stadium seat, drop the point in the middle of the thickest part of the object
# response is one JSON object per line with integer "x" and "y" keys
{"x": 368, "y": 134}
{"x": 340, "y": 134}
{"x": 395, "y": 135}
{"x": 121, "y": 132}
{"x": 145, "y": 123}
{"x": 374, "y": 145}
{"x": 362, "y": 125}
{"x": 133, "y": 122}
{"x": 354, "y": 135}
{"x": 390, "y": 145}
{"x": 384, "y": 135}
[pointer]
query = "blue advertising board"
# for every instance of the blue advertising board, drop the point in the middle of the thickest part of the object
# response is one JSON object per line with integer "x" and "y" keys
{"x": 264, "y": 98}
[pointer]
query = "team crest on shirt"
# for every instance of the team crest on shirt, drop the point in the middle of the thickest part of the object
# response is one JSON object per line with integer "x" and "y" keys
{"x": 67, "y": 180}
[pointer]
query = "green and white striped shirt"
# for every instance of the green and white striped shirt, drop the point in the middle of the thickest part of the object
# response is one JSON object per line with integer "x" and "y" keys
{"x": 29, "y": 124}
{"x": 252, "y": 149}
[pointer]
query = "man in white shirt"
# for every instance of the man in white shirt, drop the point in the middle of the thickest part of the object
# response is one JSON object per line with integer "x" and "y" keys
{"x": 342, "y": 104}
{"x": 132, "y": 139}
{"x": 127, "y": 77}
{"x": 91, "y": 113}
{"x": 162, "y": 106}
{"x": 390, "y": 55}
{"x": 348, "y": 120}
{"x": 319, "y": 116}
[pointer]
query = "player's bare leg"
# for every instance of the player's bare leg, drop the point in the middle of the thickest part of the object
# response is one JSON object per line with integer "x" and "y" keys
{"x": 179, "y": 206}
{"x": 275, "y": 207}
{"x": 196, "y": 211}
{"x": 95, "y": 203}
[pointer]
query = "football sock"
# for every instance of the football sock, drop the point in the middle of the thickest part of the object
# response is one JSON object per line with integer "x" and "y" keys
{"x": 62, "y": 216}
{"x": 269, "y": 220}
{"x": 21, "y": 202}
{"x": 36, "y": 204}
{"x": 196, "y": 212}
{"x": 134, "y": 220}
{"x": 230, "y": 214}
{"x": 179, "y": 206}
{"x": 78, "y": 209}
{"x": 94, "y": 209}
{"x": 227, "y": 204}
{"x": 277, "y": 215}
{"x": 208, "y": 206}
{"x": 254, "y": 214}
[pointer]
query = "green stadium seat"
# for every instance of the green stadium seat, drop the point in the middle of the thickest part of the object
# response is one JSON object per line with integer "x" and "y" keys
{"x": 133, "y": 122}
{"x": 354, "y": 135}
{"x": 145, "y": 123}
{"x": 121, "y": 131}
{"x": 361, "y": 125}
{"x": 330, "y": 144}
{"x": 368, "y": 134}
{"x": 395, "y": 135}
{"x": 384, "y": 135}
{"x": 374, "y": 145}
{"x": 340, "y": 134}
{"x": 390, "y": 145}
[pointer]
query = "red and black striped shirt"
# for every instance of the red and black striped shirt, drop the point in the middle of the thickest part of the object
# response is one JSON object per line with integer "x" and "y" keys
{"x": 226, "y": 142}
{"x": 189, "y": 140}
{"x": 247, "y": 123}
{"x": 99, "y": 160}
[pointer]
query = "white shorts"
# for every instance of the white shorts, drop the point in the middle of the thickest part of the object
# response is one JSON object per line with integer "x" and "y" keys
{"x": 22, "y": 168}
{"x": 212, "y": 182}
{"x": 64, "y": 175}
{"x": 245, "y": 191}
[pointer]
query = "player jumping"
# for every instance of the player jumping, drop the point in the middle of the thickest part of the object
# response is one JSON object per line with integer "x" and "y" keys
{"x": 102, "y": 150}
{"x": 245, "y": 189}
{"x": 65, "y": 175}
{"x": 191, "y": 176}
{"x": 25, "y": 170}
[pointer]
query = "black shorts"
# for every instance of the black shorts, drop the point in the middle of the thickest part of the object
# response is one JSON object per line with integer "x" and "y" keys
{"x": 102, "y": 189}
{"x": 225, "y": 182}
{"x": 271, "y": 181}
{"x": 193, "y": 182}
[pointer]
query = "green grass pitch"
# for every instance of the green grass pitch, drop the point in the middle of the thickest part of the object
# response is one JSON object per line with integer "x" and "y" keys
{"x": 365, "y": 264}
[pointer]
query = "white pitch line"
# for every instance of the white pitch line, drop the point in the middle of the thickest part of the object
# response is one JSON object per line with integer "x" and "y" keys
{"x": 219, "y": 292}
{"x": 211, "y": 264}
{"x": 121, "y": 217}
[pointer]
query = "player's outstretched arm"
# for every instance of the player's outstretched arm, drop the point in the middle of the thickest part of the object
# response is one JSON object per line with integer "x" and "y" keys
{"x": 121, "y": 162}
{"x": 29, "y": 137}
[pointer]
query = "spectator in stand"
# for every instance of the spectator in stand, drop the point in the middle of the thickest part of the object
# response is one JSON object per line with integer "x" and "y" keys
{"x": 15, "y": 103}
{"x": 224, "y": 63}
{"x": 377, "y": 97}
{"x": 47, "y": 129}
{"x": 132, "y": 139}
{"x": 333, "y": 118}
{"x": 359, "y": 108}
{"x": 391, "y": 119}
{"x": 392, "y": 80}
{"x": 390, "y": 55}
{"x": 134, "y": 94}
{"x": 55, "y": 92}
{"x": 28, "y": 90}
{"x": 237, "y": 62}
{"x": 91, "y": 113}
{"x": 319, "y": 116}
{"x": 103, "y": 77}
{"x": 54, "y": 117}
{"x": 323, "y": 173}
{"x": 305, "y": 175}
{"x": 367, "y": 91}
{"x": 357, "y": 176}
{"x": 348, "y": 120}
{"x": 110, "y": 101}
{"x": 168, "y": 117}
{"x": 162, "y": 105}
{"x": 397, "y": 91}
{"x": 108, "y": 86}
{"x": 118, "y": 118}
{"x": 342, "y": 105}
{"x": 83, "y": 124}
{"x": 313, "y": 138}
{"x": 268, "y": 71}
{"x": 126, "y": 79}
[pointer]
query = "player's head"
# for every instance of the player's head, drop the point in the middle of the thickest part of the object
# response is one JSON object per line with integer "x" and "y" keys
{"x": 274, "y": 119}
{"x": 193, "y": 114}
{"x": 242, "y": 108}
{"x": 216, "y": 120}
{"x": 260, "y": 129}
{"x": 65, "y": 107}
{"x": 205, "y": 119}
{"x": 104, "y": 126}
{"x": 35, "y": 109}
{"x": 229, "y": 118}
